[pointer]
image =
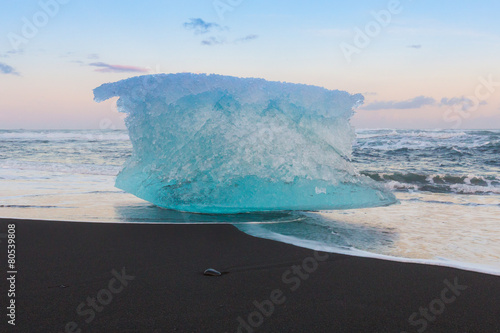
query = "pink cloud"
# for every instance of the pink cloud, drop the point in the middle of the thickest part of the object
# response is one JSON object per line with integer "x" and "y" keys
{"x": 107, "y": 68}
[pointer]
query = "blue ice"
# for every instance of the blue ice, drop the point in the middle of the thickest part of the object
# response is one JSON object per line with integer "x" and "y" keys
{"x": 221, "y": 144}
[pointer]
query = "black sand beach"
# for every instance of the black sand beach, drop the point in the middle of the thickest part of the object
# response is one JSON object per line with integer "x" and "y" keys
{"x": 84, "y": 277}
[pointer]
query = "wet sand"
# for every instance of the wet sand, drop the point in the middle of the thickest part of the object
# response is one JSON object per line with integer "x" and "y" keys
{"x": 90, "y": 277}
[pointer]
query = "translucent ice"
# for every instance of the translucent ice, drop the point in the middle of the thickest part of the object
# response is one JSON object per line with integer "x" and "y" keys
{"x": 220, "y": 144}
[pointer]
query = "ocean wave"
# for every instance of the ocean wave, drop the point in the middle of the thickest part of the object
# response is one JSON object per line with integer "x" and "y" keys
{"x": 86, "y": 169}
{"x": 421, "y": 140}
{"x": 361, "y": 135}
{"x": 30, "y": 206}
{"x": 48, "y": 136}
{"x": 451, "y": 203}
{"x": 409, "y": 145}
{"x": 474, "y": 189}
{"x": 435, "y": 134}
{"x": 437, "y": 183}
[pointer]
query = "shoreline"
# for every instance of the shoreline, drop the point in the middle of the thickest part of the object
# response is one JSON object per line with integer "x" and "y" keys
{"x": 149, "y": 278}
{"x": 316, "y": 246}
{"x": 312, "y": 245}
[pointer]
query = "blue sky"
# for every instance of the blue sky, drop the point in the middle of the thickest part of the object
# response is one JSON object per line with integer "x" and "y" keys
{"x": 428, "y": 64}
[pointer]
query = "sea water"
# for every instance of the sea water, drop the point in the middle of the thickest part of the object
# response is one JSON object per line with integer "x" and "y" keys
{"x": 447, "y": 183}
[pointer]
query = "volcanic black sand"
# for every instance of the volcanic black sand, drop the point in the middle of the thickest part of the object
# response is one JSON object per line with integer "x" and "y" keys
{"x": 88, "y": 277}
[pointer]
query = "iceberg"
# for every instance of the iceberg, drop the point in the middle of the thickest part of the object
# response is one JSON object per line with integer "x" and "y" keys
{"x": 221, "y": 144}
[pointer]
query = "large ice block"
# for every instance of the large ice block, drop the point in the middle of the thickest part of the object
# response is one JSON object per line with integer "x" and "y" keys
{"x": 220, "y": 144}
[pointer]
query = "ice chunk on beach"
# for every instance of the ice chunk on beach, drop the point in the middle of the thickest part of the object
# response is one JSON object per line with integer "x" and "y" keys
{"x": 221, "y": 144}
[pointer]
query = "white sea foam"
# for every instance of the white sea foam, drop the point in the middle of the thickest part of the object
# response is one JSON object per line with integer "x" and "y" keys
{"x": 419, "y": 140}
{"x": 474, "y": 189}
{"x": 88, "y": 169}
{"x": 395, "y": 185}
{"x": 367, "y": 134}
{"x": 259, "y": 231}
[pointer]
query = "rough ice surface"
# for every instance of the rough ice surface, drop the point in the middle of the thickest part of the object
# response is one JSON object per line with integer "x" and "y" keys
{"x": 221, "y": 144}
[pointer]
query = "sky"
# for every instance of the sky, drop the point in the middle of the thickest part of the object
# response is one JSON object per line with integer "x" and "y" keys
{"x": 419, "y": 63}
